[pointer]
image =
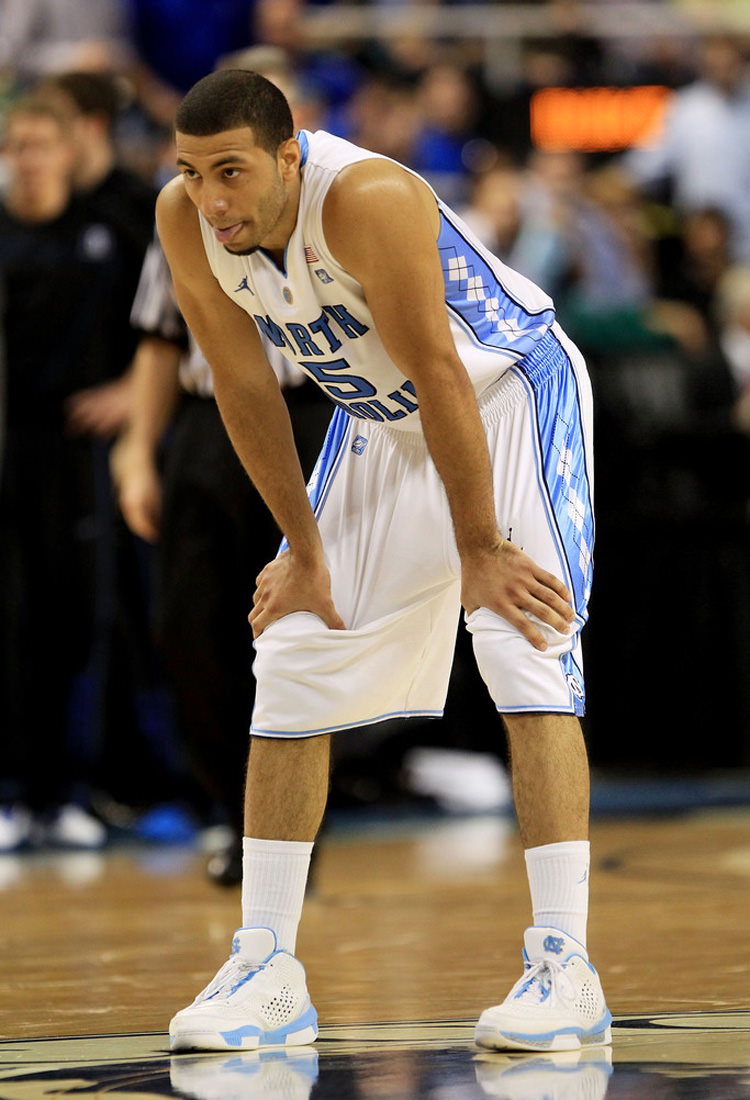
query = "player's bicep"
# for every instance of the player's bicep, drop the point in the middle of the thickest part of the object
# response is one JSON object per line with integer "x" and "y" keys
{"x": 393, "y": 254}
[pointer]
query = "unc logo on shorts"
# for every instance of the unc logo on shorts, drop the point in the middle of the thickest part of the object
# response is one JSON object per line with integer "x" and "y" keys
{"x": 554, "y": 944}
{"x": 359, "y": 444}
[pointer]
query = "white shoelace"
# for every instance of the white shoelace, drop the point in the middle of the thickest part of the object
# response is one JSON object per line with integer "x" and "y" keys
{"x": 543, "y": 980}
{"x": 233, "y": 973}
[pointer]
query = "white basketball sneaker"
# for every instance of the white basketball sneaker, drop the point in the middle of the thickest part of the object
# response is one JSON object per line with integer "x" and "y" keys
{"x": 259, "y": 998}
{"x": 558, "y": 1004}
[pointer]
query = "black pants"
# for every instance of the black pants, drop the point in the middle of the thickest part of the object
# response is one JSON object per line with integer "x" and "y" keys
{"x": 50, "y": 536}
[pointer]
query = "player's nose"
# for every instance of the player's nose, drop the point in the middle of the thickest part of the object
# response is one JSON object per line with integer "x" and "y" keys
{"x": 213, "y": 202}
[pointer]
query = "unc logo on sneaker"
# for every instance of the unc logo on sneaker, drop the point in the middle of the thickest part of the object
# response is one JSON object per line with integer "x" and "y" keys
{"x": 554, "y": 944}
{"x": 359, "y": 444}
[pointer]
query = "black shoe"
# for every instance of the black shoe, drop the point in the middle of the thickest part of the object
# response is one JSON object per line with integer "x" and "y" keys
{"x": 225, "y": 868}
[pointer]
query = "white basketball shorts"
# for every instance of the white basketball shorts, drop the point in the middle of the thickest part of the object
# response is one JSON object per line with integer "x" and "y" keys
{"x": 389, "y": 544}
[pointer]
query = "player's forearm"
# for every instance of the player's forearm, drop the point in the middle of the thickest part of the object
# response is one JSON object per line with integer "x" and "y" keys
{"x": 455, "y": 437}
{"x": 257, "y": 421}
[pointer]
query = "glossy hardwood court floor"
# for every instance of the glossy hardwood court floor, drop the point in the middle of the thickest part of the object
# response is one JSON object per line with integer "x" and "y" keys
{"x": 410, "y": 929}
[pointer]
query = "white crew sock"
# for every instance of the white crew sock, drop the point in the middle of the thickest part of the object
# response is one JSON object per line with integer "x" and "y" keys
{"x": 274, "y": 877}
{"x": 559, "y": 884}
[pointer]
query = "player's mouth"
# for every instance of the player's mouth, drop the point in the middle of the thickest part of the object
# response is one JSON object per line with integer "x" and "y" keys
{"x": 226, "y": 233}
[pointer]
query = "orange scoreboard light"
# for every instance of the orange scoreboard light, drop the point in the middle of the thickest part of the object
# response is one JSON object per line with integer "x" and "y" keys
{"x": 596, "y": 120}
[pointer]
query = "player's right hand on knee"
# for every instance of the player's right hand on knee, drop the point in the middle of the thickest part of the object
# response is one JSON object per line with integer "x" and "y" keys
{"x": 287, "y": 585}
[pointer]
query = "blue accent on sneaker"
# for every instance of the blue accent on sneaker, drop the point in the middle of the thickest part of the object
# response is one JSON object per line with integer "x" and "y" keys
{"x": 542, "y": 1039}
{"x": 278, "y": 1037}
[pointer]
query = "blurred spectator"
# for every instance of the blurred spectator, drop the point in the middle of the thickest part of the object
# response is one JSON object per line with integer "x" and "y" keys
{"x": 530, "y": 216}
{"x": 179, "y": 41}
{"x": 122, "y": 203}
{"x": 38, "y": 37}
{"x": 611, "y": 304}
{"x": 615, "y": 260}
{"x": 505, "y": 116}
{"x": 693, "y": 260}
{"x": 447, "y": 106}
{"x": 494, "y": 208}
{"x": 552, "y": 205}
{"x": 329, "y": 76}
{"x": 733, "y": 320}
{"x": 277, "y": 64}
{"x": 382, "y": 115}
{"x": 64, "y": 272}
{"x": 51, "y": 271}
{"x": 125, "y": 204}
{"x": 703, "y": 152}
{"x": 427, "y": 122}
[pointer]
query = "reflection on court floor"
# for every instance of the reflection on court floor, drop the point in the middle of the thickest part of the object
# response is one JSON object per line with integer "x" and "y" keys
{"x": 653, "y": 1056}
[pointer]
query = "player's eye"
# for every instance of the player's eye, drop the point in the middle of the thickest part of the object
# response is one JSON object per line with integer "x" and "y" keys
{"x": 231, "y": 173}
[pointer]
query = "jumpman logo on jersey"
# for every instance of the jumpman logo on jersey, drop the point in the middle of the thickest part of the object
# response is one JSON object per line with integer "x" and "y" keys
{"x": 244, "y": 285}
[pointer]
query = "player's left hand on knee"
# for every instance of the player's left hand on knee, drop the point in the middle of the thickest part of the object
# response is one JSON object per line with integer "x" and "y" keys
{"x": 510, "y": 583}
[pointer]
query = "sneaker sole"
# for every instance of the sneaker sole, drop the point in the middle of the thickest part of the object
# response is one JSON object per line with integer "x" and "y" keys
{"x": 493, "y": 1039}
{"x": 246, "y": 1036}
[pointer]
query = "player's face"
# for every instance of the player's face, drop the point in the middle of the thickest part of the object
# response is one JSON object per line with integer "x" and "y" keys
{"x": 247, "y": 195}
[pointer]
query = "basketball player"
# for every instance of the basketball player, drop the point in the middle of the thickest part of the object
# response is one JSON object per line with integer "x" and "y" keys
{"x": 456, "y": 472}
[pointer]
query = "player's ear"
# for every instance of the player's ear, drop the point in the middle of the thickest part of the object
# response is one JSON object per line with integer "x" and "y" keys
{"x": 288, "y": 157}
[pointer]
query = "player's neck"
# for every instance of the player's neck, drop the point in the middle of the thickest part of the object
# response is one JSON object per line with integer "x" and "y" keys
{"x": 275, "y": 245}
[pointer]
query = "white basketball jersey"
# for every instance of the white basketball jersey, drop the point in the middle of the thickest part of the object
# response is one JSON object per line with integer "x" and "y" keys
{"x": 317, "y": 316}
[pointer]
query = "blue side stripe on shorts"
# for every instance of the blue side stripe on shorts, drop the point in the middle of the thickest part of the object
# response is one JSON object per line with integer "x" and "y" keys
{"x": 564, "y": 471}
{"x": 333, "y": 448}
{"x": 327, "y": 463}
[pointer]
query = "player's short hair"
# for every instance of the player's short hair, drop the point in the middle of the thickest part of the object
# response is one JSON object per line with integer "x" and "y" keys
{"x": 232, "y": 98}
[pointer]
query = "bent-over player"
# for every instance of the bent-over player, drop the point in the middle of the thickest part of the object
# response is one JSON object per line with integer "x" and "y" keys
{"x": 456, "y": 472}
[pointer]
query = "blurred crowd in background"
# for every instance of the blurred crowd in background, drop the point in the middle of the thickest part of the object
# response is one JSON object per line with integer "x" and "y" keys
{"x": 124, "y": 693}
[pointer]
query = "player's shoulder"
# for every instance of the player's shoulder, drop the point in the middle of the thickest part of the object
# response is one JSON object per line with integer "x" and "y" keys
{"x": 172, "y": 201}
{"x": 176, "y": 216}
{"x": 371, "y": 197}
{"x": 377, "y": 183}
{"x": 180, "y": 233}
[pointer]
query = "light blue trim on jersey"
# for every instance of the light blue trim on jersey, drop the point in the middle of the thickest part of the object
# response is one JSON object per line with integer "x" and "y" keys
{"x": 304, "y": 145}
{"x": 486, "y": 309}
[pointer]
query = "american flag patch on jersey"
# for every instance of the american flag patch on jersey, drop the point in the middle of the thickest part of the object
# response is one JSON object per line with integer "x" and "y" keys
{"x": 310, "y": 255}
